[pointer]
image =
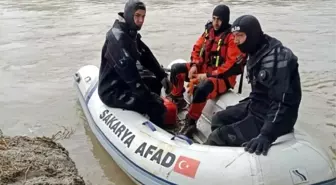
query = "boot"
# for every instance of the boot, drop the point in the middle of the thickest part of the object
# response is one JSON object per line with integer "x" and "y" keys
{"x": 179, "y": 101}
{"x": 189, "y": 127}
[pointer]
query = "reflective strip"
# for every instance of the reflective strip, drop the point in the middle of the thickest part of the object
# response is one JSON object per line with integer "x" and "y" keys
{"x": 281, "y": 64}
{"x": 203, "y": 46}
{"x": 218, "y": 48}
{"x": 279, "y": 107}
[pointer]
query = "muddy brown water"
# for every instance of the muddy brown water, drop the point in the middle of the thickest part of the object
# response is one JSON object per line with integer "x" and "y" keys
{"x": 42, "y": 43}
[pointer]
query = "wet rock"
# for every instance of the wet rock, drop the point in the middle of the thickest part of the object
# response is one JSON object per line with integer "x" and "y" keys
{"x": 32, "y": 161}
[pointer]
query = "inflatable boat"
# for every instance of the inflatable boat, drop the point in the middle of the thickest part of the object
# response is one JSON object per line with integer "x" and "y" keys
{"x": 152, "y": 156}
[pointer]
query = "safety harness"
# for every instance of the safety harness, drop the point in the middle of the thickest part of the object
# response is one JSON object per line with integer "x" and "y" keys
{"x": 217, "y": 54}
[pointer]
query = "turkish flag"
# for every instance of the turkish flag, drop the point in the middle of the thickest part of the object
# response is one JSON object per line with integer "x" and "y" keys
{"x": 186, "y": 166}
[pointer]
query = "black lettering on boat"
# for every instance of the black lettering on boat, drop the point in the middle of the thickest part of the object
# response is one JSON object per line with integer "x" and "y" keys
{"x": 150, "y": 150}
{"x": 106, "y": 119}
{"x": 119, "y": 129}
{"x": 115, "y": 126}
{"x": 111, "y": 126}
{"x": 156, "y": 154}
{"x": 103, "y": 114}
{"x": 168, "y": 160}
{"x": 129, "y": 140}
{"x": 141, "y": 149}
{"x": 126, "y": 133}
{"x": 110, "y": 122}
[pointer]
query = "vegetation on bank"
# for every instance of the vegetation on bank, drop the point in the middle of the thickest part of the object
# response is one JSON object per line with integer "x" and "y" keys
{"x": 38, "y": 160}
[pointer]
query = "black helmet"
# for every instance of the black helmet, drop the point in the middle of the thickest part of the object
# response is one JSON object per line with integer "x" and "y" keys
{"x": 251, "y": 27}
{"x": 223, "y": 12}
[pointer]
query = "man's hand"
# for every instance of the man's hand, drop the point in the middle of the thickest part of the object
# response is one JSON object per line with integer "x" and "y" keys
{"x": 167, "y": 85}
{"x": 259, "y": 144}
{"x": 200, "y": 77}
{"x": 191, "y": 85}
{"x": 192, "y": 71}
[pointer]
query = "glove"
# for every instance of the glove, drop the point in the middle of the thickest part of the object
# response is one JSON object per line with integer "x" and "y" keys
{"x": 167, "y": 85}
{"x": 258, "y": 144}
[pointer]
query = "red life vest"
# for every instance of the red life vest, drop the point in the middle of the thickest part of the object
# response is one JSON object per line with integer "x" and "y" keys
{"x": 214, "y": 48}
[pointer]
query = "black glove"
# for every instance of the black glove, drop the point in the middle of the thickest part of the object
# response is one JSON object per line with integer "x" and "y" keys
{"x": 258, "y": 144}
{"x": 167, "y": 85}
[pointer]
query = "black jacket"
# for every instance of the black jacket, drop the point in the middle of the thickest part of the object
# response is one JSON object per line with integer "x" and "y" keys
{"x": 276, "y": 87}
{"x": 125, "y": 60}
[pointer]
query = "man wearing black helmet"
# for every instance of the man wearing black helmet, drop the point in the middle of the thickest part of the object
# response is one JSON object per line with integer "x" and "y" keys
{"x": 130, "y": 77}
{"x": 213, "y": 66}
{"x": 271, "y": 110}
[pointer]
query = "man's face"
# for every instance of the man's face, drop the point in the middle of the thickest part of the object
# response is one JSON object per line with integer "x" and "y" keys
{"x": 139, "y": 17}
{"x": 239, "y": 37}
{"x": 216, "y": 22}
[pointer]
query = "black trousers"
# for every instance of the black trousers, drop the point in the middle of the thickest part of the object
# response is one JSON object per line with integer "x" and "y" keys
{"x": 153, "y": 84}
{"x": 234, "y": 126}
{"x": 153, "y": 107}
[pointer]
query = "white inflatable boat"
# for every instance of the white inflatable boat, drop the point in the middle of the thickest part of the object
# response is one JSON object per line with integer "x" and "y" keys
{"x": 150, "y": 155}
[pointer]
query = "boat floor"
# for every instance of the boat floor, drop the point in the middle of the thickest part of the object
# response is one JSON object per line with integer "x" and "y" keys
{"x": 198, "y": 137}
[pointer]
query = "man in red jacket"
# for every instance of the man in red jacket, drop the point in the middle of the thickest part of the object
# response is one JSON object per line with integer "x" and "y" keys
{"x": 215, "y": 62}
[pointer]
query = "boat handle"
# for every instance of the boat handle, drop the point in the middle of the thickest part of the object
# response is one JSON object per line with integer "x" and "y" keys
{"x": 183, "y": 137}
{"x": 150, "y": 125}
{"x": 77, "y": 77}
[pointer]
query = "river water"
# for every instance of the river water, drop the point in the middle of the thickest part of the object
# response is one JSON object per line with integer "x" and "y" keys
{"x": 42, "y": 43}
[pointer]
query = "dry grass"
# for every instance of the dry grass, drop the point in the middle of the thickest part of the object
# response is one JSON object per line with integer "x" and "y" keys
{"x": 62, "y": 134}
{"x": 39, "y": 160}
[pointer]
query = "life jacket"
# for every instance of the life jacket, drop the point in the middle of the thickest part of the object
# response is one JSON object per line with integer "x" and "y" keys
{"x": 214, "y": 50}
{"x": 214, "y": 47}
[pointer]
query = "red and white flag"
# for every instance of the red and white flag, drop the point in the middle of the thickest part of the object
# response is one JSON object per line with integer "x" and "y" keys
{"x": 186, "y": 166}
